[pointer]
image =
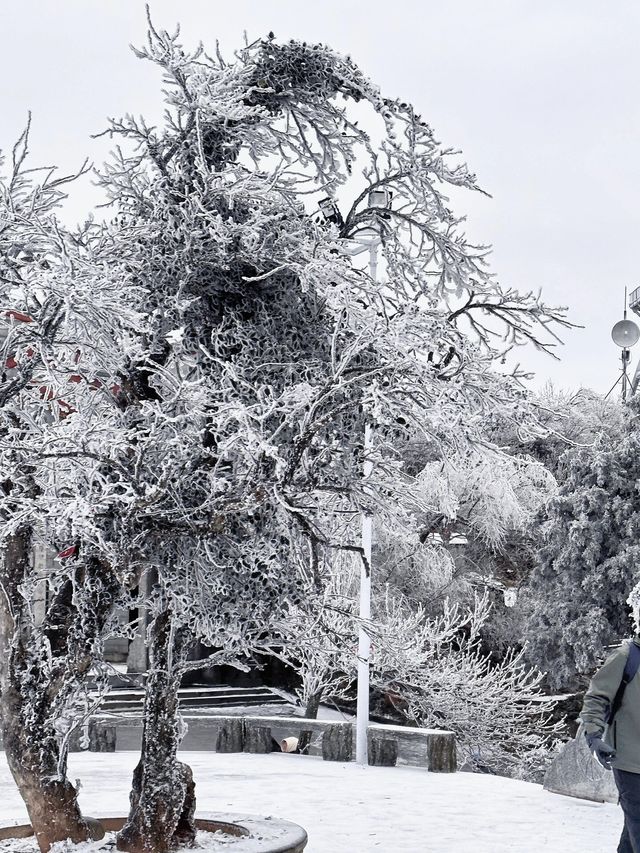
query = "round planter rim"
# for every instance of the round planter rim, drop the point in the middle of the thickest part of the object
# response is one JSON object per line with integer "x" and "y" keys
{"x": 287, "y": 837}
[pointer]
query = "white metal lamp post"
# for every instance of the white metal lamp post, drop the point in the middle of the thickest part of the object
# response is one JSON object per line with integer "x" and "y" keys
{"x": 364, "y": 641}
{"x": 367, "y": 238}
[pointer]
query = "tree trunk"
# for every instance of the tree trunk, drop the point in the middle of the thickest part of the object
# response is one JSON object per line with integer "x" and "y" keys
{"x": 163, "y": 801}
{"x": 29, "y": 739}
{"x": 51, "y": 802}
{"x": 310, "y": 713}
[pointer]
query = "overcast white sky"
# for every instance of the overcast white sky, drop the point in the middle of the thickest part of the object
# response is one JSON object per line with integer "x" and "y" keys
{"x": 542, "y": 96}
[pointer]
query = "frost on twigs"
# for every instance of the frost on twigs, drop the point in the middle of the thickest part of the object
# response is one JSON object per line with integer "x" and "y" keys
{"x": 193, "y": 378}
{"x": 443, "y": 678}
{"x": 62, "y": 324}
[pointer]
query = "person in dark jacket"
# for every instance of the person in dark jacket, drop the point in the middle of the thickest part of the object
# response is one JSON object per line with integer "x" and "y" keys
{"x": 617, "y": 747}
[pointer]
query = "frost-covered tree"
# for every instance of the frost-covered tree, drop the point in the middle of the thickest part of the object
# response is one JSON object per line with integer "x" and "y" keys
{"x": 575, "y": 602}
{"x": 478, "y": 502}
{"x": 320, "y": 637}
{"x": 60, "y": 334}
{"x": 571, "y": 420}
{"x": 241, "y": 401}
{"x": 267, "y": 347}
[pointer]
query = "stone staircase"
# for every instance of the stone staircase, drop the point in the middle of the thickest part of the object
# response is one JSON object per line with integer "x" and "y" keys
{"x": 130, "y": 699}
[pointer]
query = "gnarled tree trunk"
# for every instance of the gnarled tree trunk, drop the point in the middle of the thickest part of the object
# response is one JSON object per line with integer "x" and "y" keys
{"x": 29, "y": 739}
{"x": 163, "y": 801}
{"x": 50, "y": 798}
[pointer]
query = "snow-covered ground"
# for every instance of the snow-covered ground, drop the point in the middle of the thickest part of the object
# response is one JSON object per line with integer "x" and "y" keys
{"x": 348, "y": 809}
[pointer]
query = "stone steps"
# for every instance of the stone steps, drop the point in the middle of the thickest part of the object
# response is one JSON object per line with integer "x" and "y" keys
{"x": 131, "y": 699}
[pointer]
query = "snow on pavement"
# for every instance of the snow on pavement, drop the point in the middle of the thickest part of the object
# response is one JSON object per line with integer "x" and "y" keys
{"x": 349, "y": 809}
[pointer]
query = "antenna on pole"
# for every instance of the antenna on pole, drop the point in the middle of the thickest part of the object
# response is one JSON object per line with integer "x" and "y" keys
{"x": 625, "y": 334}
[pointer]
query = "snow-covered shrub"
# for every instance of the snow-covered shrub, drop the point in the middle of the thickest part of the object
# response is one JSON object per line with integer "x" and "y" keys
{"x": 497, "y": 710}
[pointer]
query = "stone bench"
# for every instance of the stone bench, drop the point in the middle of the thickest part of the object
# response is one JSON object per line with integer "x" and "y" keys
{"x": 430, "y": 748}
{"x": 434, "y": 749}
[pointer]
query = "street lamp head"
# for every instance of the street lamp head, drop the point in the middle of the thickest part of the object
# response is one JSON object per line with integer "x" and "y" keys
{"x": 625, "y": 333}
{"x": 380, "y": 197}
{"x": 329, "y": 211}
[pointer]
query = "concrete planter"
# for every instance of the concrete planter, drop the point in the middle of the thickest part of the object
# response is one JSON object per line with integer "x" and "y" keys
{"x": 254, "y": 834}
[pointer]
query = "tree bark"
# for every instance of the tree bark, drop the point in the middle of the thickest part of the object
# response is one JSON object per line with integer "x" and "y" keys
{"x": 162, "y": 798}
{"x": 30, "y": 743}
{"x": 51, "y": 800}
{"x": 310, "y": 713}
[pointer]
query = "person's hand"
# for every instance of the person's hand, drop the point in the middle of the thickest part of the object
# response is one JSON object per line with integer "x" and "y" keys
{"x": 601, "y": 751}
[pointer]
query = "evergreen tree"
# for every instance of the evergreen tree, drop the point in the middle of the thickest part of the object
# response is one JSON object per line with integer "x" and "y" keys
{"x": 575, "y": 603}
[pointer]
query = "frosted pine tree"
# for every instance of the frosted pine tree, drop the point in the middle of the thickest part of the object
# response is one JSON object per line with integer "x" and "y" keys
{"x": 576, "y": 598}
